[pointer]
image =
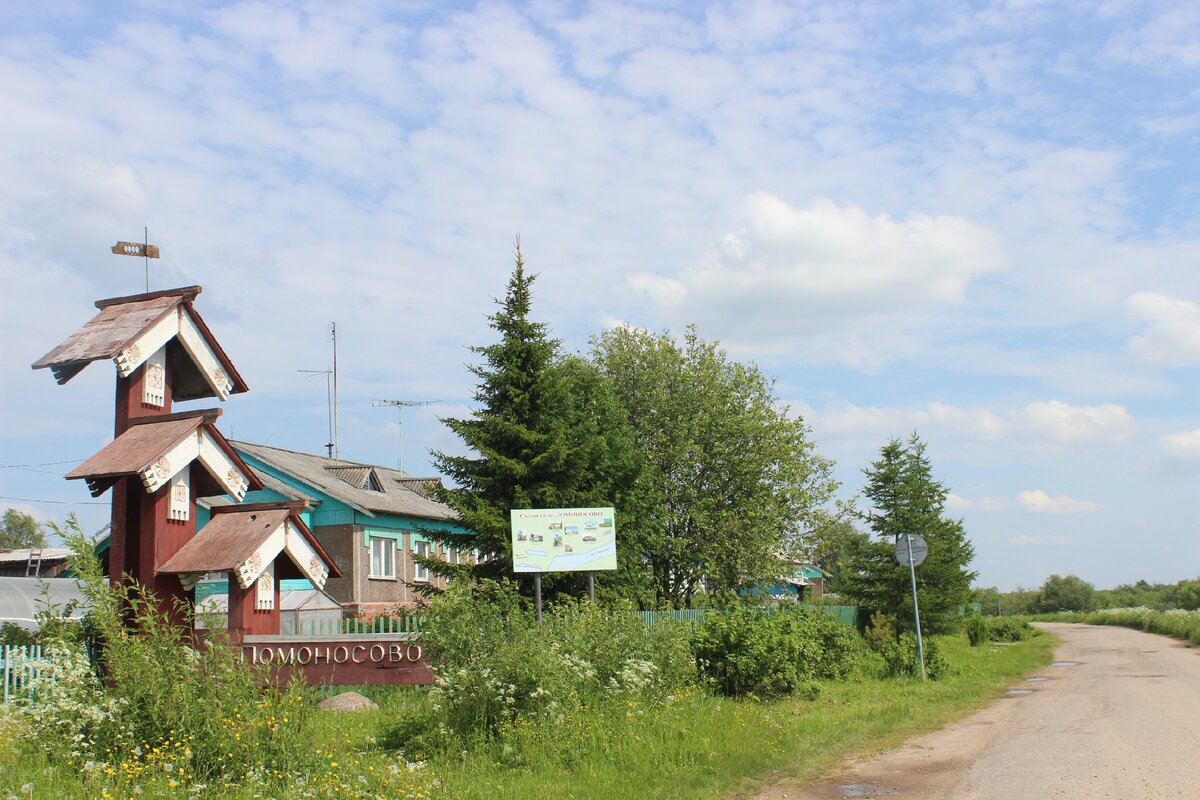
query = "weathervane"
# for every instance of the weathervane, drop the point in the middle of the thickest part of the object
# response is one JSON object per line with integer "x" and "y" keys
{"x": 144, "y": 249}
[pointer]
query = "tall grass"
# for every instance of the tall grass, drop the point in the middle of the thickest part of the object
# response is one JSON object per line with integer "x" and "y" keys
{"x": 1178, "y": 623}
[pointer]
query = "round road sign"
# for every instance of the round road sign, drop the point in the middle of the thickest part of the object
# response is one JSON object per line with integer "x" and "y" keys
{"x": 919, "y": 549}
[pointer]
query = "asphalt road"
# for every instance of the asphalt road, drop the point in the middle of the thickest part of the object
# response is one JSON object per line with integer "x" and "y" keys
{"x": 1123, "y": 721}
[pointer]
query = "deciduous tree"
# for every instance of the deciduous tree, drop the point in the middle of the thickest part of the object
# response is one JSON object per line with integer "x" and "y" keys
{"x": 19, "y": 530}
{"x": 731, "y": 475}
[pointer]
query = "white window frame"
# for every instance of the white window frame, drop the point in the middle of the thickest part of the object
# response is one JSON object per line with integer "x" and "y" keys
{"x": 385, "y": 559}
{"x": 421, "y": 573}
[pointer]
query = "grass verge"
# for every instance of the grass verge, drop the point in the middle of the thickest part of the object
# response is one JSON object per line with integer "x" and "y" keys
{"x": 698, "y": 746}
{"x": 689, "y": 745}
{"x": 1178, "y": 623}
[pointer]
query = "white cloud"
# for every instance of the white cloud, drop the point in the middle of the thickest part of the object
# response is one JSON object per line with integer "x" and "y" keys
{"x": 1185, "y": 444}
{"x": 956, "y": 502}
{"x": 1029, "y": 540}
{"x": 1039, "y": 502}
{"x": 793, "y": 272}
{"x": 1053, "y": 421}
{"x": 1060, "y": 422}
{"x": 1172, "y": 337}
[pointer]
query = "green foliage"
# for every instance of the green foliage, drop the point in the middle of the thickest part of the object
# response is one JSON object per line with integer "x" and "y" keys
{"x": 732, "y": 476}
{"x": 1173, "y": 622}
{"x": 831, "y": 542}
{"x": 1064, "y": 593}
{"x": 205, "y": 710}
{"x": 495, "y": 666}
{"x": 879, "y": 632}
{"x": 901, "y": 658}
{"x": 977, "y": 629}
{"x": 1184, "y": 594}
{"x": 1010, "y": 629}
{"x": 906, "y": 499}
{"x": 751, "y": 650}
{"x": 546, "y": 434}
{"x": 20, "y": 530}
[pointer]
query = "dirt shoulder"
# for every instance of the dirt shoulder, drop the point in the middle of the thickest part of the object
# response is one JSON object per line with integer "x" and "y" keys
{"x": 1121, "y": 721}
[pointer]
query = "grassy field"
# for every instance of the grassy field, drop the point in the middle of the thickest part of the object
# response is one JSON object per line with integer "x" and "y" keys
{"x": 689, "y": 745}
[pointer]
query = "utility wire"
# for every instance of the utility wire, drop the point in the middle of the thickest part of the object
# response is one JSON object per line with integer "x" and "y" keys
{"x": 56, "y": 502}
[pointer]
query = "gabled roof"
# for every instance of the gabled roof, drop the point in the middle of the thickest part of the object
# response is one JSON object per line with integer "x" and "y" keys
{"x": 244, "y": 540}
{"x": 157, "y": 448}
{"x": 130, "y": 329}
{"x": 325, "y": 475}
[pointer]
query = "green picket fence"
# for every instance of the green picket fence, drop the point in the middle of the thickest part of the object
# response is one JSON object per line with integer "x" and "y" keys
{"x": 406, "y": 623}
{"x": 844, "y": 614}
{"x": 19, "y": 665}
{"x": 411, "y": 623}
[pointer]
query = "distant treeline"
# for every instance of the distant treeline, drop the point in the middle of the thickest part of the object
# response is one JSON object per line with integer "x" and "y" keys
{"x": 1071, "y": 593}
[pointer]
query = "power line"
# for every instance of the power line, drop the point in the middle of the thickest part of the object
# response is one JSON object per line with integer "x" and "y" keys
{"x": 55, "y": 502}
{"x": 45, "y": 464}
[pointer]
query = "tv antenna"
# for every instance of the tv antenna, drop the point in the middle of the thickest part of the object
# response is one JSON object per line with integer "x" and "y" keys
{"x": 400, "y": 405}
{"x": 328, "y": 401}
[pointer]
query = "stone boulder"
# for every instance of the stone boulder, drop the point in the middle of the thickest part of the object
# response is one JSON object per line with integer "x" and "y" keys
{"x": 347, "y": 701}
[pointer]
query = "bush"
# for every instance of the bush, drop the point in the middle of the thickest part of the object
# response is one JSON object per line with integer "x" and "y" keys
{"x": 1010, "y": 629}
{"x": 977, "y": 629}
{"x": 879, "y": 632}
{"x": 201, "y": 712}
{"x": 495, "y": 665}
{"x": 900, "y": 658}
{"x": 752, "y": 651}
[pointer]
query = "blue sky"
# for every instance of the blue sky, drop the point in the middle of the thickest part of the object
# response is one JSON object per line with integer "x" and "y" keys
{"x": 972, "y": 220}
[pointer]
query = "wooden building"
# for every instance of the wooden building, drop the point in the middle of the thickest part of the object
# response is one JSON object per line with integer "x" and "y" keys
{"x": 370, "y": 519}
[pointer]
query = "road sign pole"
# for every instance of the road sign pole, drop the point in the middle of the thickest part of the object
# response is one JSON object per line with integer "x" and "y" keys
{"x": 912, "y": 574}
{"x": 537, "y": 595}
{"x": 591, "y": 586}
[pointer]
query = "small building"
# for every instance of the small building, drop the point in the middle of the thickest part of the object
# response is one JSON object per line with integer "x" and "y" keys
{"x": 36, "y": 562}
{"x": 23, "y": 600}
{"x": 370, "y": 519}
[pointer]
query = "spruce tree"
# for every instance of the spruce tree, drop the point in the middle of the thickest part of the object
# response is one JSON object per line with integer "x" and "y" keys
{"x": 906, "y": 499}
{"x": 544, "y": 435}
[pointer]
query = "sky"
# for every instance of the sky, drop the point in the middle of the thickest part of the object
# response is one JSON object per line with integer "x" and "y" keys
{"x": 975, "y": 221}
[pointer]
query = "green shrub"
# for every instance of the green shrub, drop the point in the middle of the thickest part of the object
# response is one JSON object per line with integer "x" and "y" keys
{"x": 977, "y": 629}
{"x": 879, "y": 633}
{"x": 198, "y": 713}
{"x": 495, "y": 665}
{"x": 1010, "y": 629}
{"x": 752, "y": 651}
{"x": 901, "y": 658}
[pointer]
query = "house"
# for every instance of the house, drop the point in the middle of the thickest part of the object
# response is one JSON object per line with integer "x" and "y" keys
{"x": 370, "y": 519}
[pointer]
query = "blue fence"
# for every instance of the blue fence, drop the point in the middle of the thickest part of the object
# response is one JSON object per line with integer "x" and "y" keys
{"x": 19, "y": 665}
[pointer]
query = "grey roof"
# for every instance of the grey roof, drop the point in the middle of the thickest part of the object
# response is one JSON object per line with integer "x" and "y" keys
{"x": 346, "y": 481}
{"x": 22, "y": 555}
{"x": 22, "y": 598}
{"x": 268, "y": 481}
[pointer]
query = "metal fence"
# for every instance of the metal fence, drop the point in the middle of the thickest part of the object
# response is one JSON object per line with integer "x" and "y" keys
{"x": 19, "y": 664}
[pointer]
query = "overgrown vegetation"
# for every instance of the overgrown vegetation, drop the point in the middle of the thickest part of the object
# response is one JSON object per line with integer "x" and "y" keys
{"x": 1175, "y": 622}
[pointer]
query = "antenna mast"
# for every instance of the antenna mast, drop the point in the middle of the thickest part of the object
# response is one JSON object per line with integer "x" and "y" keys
{"x": 400, "y": 405}
{"x": 328, "y": 403}
{"x": 337, "y": 453}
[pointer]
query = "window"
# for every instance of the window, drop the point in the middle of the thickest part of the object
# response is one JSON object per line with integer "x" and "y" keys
{"x": 420, "y": 573}
{"x": 383, "y": 558}
{"x": 452, "y": 556}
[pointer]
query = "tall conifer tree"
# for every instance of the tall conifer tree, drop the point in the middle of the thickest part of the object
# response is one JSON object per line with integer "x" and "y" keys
{"x": 546, "y": 434}
{"x": 906, "y": 499}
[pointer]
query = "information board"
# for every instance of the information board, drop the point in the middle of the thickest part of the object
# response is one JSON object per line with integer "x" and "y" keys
{"x": 563, "y": 539}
